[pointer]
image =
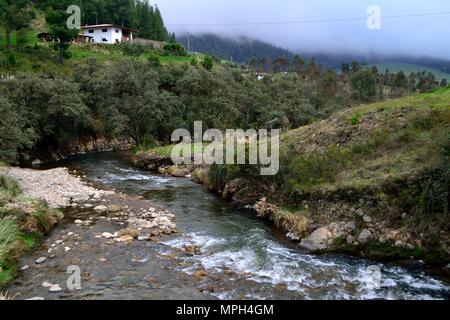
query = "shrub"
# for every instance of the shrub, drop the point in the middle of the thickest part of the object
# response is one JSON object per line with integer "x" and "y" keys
{"x": 175, "y": 49}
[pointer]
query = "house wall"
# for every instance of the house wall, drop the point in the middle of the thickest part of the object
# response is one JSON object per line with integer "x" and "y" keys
{"x": 110, "y": 35}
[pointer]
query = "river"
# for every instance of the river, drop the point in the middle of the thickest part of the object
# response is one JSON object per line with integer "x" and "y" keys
{"x": 248, "y": 258}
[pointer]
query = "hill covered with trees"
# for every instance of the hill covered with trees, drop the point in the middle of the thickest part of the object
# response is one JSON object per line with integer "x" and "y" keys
{"x": 240, "y": 50}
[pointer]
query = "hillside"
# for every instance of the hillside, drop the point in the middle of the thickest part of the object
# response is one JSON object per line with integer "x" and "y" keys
{"x": 240, "y": 50}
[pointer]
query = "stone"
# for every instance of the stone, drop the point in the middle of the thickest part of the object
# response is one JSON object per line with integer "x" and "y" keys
{"x": 101, "y": 209}
{"x": 70, "y": 234}
{"x": 107, "y": 235}
{"x": 280, "y": 287}
{"x": 40, "y": 260}
{"x": 55, "y": 288}
{"x": 134, "y": 233}
{"x": 293, "y": 236}
{"x": 35, "y": 298}
{"x": 114, "y": 208}
{"x": 350, "y": 239}
{"x": 318, "y": 240}
{"x": 58, "y": 241}
{"x": 199, "y": 274}
{"x": 144, "y": 237}
{"x": 126, "y": 238}
{"x": 367, "y": 219}
{"x": 365, "y": 236}
{"x": 47, "y": 284}
{"x": 36, "y": 162}
{"x": 78, "y": 221}
{"x": 25, "y": 267}
{"x": 66, "y": 249}
{"x": 350, "y": 226}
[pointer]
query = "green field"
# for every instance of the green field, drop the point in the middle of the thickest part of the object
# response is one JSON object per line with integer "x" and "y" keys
{"x": 409, "y": 68}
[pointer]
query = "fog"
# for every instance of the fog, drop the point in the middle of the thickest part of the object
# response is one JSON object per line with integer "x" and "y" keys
{"x": 417, "y": 35}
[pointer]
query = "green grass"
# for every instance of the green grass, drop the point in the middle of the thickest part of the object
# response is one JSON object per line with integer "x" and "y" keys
{"x": 409, "y": 68}
{"x": 166, "y": 151}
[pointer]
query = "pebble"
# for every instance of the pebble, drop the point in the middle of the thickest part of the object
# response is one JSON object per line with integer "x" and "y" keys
{"x": 66, "y": 249}
{"x": 35, "y": 298}
{"x": 47, "y": 284}
{"x": 25, "y": 267}
{"x": 107, "y": 235}
{"x": 78, "y": 221}
{"x": 101, "y": 208}
{"x": 58, "y": 241}
{"x": 70, "y": 234}
{"x": 143, "y": 238}
{"x": 40, "y": 260}
{"x": 55, "y": 288}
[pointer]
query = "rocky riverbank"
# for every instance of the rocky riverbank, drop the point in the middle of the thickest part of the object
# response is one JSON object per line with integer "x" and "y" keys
{"x": 326, "y": 223}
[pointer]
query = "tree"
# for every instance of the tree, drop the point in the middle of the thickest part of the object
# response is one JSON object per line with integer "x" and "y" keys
{"x": 363, "y": 82}
{"x": 57, "y": 20}
{"x": 345, "y": 68}
{"x": 355, "y": 66}
{"x": 133, "y": 50}
{"x": 13, "y": 136}
{"x": 298, "y": 64}
{"x": 444, "y": 83}
{"x": 208, "y": 63}
{"x": 15, "y": 15}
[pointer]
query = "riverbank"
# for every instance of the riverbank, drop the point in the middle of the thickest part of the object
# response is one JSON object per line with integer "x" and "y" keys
{"x": 36, "y": 204}
{"x": 370, "y": 181}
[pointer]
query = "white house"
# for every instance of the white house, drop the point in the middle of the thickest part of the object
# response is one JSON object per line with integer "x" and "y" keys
{"x": 108, "y": 33}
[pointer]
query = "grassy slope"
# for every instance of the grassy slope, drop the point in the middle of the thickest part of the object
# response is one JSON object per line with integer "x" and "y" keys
{"x": 368, "y": 145}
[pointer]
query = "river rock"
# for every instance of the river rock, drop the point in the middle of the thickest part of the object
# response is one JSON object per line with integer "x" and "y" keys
{"x": 134, "y": 233}
{"x": 114, "y": 208}
{"x": 367, "y": 219}
{"x": 126, "y": 238}
{"x": 55, "y": 288}
{"x": 200, "y": 274}
{"x": 107, "y": 235}
{"x": 101, "y": 208}
{"x": 365, "y": 236}
{"x": 25, "y": 267}
{"x": 318, "y": 240}
{"x": 144, "y": 237}
{"x": 35, "y": 299}
{"x": 47, "y": 284}
{"x": 78, "y": 221}
{"x": 40, "y": 260}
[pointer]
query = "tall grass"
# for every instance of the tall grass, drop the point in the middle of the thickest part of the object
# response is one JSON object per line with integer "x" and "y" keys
{"x": 9, "y": 186}
{"x": 9, "y": 233}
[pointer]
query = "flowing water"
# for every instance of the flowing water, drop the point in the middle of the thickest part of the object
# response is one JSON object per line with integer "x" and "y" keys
{"x": 236, "y": 241}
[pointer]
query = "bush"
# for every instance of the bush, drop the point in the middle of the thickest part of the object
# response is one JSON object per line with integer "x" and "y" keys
{"x": 208, "y": 63}
{"x": 175, "y": 49}
{"x": 154, "y": 61}
{"x": 9, "y": 233}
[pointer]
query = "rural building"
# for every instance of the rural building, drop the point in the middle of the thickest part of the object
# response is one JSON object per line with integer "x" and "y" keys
{"x": 108, "y": 33}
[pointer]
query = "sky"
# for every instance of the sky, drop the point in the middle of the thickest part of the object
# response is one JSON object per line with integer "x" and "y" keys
{"x": 417, "y": 36}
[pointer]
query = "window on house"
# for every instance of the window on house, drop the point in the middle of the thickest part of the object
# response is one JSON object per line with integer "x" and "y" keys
{"x": 91, "y": 31}
{"x": 104, "y": 30}
{"x": 105, "y": 40}
{"x": 117, "y": 30}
